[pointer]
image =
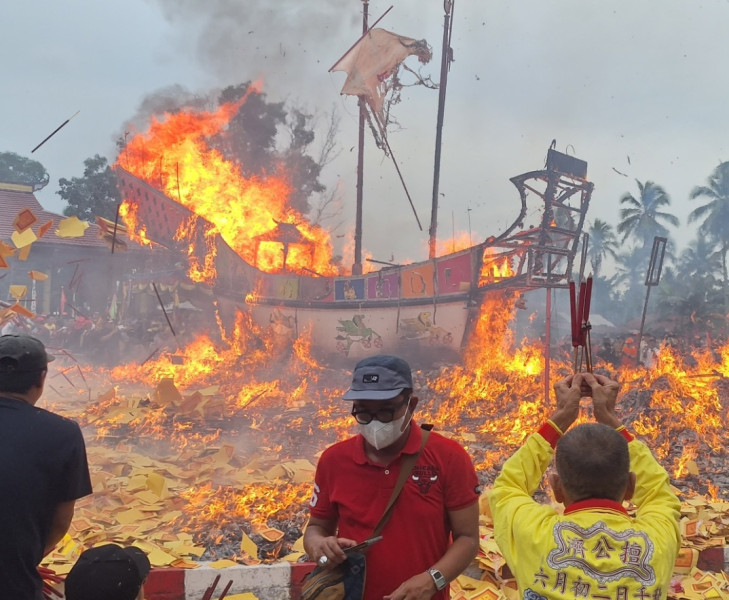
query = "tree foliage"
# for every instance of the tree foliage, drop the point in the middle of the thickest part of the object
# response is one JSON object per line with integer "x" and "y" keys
{"x": 603, "y": 243}
{"x": 18, "y": 169}
{"x": 256, "y": 140}
{"x": 714, "y": 217}
{"x": 263, "y": 138}
{"x": 643, "y": 218}
{"x": 93, "y": 195}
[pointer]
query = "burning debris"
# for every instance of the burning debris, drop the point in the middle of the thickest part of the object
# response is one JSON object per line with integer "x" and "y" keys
{"x": 204, "y": 448}
{"x": 211, "y": 457}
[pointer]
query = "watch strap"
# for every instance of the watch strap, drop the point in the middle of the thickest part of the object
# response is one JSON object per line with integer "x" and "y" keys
{"x": 438, "y": 578}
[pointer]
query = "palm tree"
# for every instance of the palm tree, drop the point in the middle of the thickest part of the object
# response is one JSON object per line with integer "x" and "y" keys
{"x": 628, "y": 283}
{"x": 603, "y": 243}
{"x": 643, "y": 218}
{"x": 701, "y": 261}
{"x": 715, "y": 215}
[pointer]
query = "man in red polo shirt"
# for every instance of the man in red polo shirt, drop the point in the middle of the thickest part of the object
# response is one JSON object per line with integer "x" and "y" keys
{"x": 432, "y": 534}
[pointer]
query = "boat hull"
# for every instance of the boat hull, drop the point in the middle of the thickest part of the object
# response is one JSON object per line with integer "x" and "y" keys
{"x": 425, "y": 329}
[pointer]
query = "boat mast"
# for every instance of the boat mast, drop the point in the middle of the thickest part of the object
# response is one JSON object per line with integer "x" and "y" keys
{"x": 445, "y": 60}
{"x": 357, "y": 266}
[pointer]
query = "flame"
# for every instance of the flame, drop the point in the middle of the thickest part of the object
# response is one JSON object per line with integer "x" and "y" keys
{"x": 497, "y": 393}
{"x": 459, "y": 241}
{"x": 494, "y": 267}
{"x": 136, "y": 231}
{"x": 490, "y": 403}
{"x": 174, "y": 156}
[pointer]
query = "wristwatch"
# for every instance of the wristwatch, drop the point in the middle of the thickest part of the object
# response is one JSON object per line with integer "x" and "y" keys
{"x": 440, "y": 581}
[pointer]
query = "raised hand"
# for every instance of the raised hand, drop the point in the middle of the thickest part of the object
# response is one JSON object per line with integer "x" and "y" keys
{"x": 604, "y": 396}
{"x": 568, "y": 393}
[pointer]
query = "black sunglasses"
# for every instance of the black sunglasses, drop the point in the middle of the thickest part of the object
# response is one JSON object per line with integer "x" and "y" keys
{"x": 383, "y": 415}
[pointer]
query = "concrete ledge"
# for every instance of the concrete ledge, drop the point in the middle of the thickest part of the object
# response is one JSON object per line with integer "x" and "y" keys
{"x": 283, "y": 581}
{"x": 278, "y": 581}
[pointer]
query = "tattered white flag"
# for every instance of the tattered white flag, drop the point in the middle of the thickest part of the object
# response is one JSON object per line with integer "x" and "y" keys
{"x": 373, "y": 60}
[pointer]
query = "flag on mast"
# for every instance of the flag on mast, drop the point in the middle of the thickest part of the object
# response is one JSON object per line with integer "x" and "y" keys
{"x": 372, "y": 61}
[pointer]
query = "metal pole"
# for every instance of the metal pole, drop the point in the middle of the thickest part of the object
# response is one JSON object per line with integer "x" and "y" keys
{"x": 357, "y": 266}
{"x": 547, "y": 345}
{"x": 652, "y": 277}
{"x": 444, "y": 64}
{"x": 470, "y": 241}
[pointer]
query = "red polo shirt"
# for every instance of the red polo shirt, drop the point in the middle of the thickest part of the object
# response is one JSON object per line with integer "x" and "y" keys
{"x": 354, "y": 491}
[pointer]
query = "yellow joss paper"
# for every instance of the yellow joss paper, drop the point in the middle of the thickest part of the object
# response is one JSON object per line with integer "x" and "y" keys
{"x": 18, "y": 291}
{"x": 160, "y": 558}
{"x": 71, "y": 227}
{"x": 248, "y": 546}
{"x": 223, "y": 563}
{"x": 21, "y": 240}
{"x": 157, "y": 483}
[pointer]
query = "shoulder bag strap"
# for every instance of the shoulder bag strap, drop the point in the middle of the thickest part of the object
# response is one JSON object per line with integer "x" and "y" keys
{"x": 407, "y": 466}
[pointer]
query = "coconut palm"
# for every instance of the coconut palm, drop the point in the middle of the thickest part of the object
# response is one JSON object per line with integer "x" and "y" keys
{"x": 687, "y": 299}
{"x": 643, "y": 218}
{"x": 603, "y": 243}
{"x": 701, "y": 261}
{"x": 627, "y": 284}
{"x": 714, "y": 217}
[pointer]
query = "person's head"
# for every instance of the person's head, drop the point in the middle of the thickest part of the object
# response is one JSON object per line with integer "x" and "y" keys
{"x": 109, "y": 572}
{"x": 23, "y": 365}
{"x": 382, "y": 399}
{"x": 592, "y": 461}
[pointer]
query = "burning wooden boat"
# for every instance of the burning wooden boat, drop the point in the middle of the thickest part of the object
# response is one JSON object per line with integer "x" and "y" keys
{"x": 277, "y": 267}
{"x": 423, "y": 308}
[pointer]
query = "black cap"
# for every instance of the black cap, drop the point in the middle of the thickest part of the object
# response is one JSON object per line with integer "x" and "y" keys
{"x": 109, "y": 572}
{"x": 380, "y": 377}
{"x": 22, "y": 354}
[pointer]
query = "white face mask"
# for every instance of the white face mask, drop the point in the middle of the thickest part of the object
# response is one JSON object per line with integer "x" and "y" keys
{"x": 382, "y": 435}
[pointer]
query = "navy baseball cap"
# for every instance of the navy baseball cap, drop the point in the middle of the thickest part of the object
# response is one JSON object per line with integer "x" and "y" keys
{"x": 22, "y": 354}
{"x": 380, "y": 377}
{"x": 109, "y": 572}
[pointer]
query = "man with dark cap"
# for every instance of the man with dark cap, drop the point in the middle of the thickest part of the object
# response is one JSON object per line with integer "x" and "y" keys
{"x": 595, "y": 548}
{"x": 43, "y": 469}
{"x": 108, "y": 572}
{"x": 432, "y": 534}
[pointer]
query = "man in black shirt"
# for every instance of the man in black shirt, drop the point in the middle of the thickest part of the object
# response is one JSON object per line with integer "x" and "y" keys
{"x": 43, "y": 470}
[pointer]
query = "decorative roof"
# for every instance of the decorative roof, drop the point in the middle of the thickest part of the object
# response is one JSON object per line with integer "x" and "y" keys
{"x": 13, "y": 201}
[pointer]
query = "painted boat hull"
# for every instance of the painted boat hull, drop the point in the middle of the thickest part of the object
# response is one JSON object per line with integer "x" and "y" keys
{"x": 423, "y": 309}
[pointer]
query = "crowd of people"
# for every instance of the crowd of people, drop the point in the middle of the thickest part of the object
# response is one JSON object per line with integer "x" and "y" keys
{"x": 411, "y": 493}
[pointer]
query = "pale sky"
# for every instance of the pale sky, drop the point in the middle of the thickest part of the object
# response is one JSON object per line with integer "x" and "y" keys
{"x": 634, "y": 87}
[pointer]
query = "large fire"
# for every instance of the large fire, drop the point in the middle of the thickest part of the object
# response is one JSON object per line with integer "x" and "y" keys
{"x": 233, "y": 428}
{"x": 217, "y": 439}
{"x": 174, "y": 155}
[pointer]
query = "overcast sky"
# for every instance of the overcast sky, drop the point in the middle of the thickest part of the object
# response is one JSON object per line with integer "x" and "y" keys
{"x": 637, "y": 89}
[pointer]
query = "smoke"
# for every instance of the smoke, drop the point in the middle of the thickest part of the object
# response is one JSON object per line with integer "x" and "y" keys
{"x": 290, "y": 43}
{"x": 168, "y": 99}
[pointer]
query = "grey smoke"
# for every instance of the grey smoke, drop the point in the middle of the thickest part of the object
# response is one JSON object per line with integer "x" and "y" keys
{"x": 290, "y": 43}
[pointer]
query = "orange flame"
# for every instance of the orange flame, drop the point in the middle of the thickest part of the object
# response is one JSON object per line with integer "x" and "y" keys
{"x": 174, "y": 155}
